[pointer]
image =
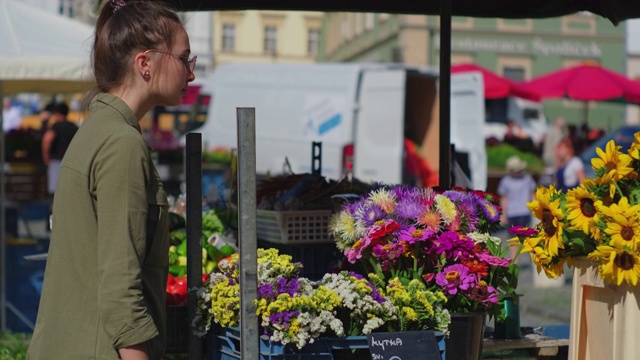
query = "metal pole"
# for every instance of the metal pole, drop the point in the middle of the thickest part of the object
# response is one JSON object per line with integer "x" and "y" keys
{"x": 445, "y": 93}
{"x": 194, "y": 234}
{"x": 3, "y": 244}
{"x": 3, "y": 219}
{"x": 249, "y": 345}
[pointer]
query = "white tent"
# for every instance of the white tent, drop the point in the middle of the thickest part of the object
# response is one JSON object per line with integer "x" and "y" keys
{"x": 40, "y": 52}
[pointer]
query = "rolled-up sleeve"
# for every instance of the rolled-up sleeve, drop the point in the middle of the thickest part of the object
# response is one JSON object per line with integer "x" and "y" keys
{"x": 121, "y": 172}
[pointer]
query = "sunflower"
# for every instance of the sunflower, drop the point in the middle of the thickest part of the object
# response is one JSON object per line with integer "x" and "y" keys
{"x": 622, "y": 223}
{"x": 551, "y": 217}
{"x": 617, "y": 263}
{"x": 581, "y": 209}
{"x": 635, "y": 147}
{"x": 617, "y": 164}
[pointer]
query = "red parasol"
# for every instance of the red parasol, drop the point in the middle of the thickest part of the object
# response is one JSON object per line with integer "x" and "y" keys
{"x": 496, "y": 87}
{"x": 586, "y": 83}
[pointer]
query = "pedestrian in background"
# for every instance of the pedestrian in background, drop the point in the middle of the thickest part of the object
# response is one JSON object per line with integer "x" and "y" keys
{"x": 55, "y": 142}
{"x": 104, "y": 287}
{"x": 570, "y": 170}
{"x": 516, "y": 189}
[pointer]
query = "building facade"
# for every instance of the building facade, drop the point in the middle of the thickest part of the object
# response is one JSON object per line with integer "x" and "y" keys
{"x": 266, "y": 36}
{"x": 520, "y": 49}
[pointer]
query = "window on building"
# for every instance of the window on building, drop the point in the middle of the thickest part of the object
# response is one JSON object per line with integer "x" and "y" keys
{"x": 313, "y": 42}
{"x": 65, "y": 7}
{"x": 228, "y": 37}
{"x": 270, "y": 40}
{"x": 513, "y": 73}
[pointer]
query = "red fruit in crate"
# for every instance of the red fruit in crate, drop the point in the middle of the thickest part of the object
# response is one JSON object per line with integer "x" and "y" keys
{"x": 205, "y": 277}
{"x": 171, "y": 280}
{"x": 182, "y": 280}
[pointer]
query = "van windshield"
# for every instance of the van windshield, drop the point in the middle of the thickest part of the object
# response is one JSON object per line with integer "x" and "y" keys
{"x": 531, "y": 114}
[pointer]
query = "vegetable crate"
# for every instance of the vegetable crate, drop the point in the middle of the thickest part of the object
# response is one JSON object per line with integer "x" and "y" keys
{"x": 317, "y": 259}
{"x": 224, "y": 344}
{"x": 177, "y": 330}
{"x": 294, "y": 227}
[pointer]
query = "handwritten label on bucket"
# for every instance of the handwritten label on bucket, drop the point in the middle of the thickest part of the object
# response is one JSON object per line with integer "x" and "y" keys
{"x": 405, "y": 345}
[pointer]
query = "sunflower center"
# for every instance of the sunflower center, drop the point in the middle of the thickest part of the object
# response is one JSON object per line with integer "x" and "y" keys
{"x": 627, "y": 233}
{"x": 587, "y": 207}
{"x": 624, "y": 261}
{"x": 610, "y": 166}
{"x": 547, "y": 223}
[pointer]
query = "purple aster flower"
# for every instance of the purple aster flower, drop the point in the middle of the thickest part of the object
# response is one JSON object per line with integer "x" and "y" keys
{"x": 455, "y": 277}
{"x": 489, "y": 210}
{"x": 409, "y": 208}
{"x": 371, "y": 213}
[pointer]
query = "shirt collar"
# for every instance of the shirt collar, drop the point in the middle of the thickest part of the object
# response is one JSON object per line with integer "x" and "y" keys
{"x": 106, "y": 99}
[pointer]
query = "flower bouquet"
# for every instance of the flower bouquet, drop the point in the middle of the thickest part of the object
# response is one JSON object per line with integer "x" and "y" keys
{"x": 293, "y": 309}
{"x": 437, "y": 238}
{"x": 599, "y": 219}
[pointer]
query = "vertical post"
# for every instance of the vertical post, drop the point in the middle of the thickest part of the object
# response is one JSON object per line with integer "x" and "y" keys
{"x": 249, "y": 345}
{"x": 3, "y": 244}
{"x": 445, "y": 93}
{"x": 194, "y": 234}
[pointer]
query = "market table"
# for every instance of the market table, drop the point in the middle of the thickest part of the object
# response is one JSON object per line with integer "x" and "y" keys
{"x": 538, "y": 346}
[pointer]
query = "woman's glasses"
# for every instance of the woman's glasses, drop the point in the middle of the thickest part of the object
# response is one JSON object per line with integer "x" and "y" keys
{"x": 190, "y": 64}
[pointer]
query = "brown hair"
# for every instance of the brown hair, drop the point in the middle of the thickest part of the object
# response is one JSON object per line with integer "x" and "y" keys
{"x": 123, "y": 28}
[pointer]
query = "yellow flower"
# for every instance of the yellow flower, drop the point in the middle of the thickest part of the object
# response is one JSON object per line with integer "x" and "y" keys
{"x": 385, "y": 199}
{"x": 550, "y": 214}
{"x": 622, "y": 223}
{"x": 617, "y": 263}
{"x": 634, "y": 150}
{"x": 581, "y": 209}
{"x": 615, "y": 162}
{"x": 446, "y": 208}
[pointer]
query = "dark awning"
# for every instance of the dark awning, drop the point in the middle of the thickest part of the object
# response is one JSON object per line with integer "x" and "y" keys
{"x": 614, "y": 10}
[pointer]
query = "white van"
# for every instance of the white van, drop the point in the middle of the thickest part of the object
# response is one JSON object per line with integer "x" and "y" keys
{"x": 361, "y": 114}
{"x": 529, "y": 115}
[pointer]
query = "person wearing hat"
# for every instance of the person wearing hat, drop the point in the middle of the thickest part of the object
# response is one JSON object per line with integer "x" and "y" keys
{"x": 516, "y": 189}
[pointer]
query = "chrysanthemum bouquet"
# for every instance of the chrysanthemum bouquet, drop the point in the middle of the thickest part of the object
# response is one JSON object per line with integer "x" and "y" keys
{"x": 293, "y": 309}
{"x": 599, "y": 219}
{"x": 440, "y": 238}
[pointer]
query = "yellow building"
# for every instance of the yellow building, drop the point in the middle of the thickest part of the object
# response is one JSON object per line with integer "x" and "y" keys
{"x": 266, "y": 36}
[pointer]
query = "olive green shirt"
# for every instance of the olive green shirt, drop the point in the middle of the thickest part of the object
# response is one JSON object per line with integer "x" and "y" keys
{"x": 106, "y": 272}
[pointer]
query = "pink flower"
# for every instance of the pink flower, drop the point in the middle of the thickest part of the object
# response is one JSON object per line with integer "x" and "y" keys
{"x": 413, "y": 234}
{"x": 455, "y": 277}
{"x": 388, "y": 251}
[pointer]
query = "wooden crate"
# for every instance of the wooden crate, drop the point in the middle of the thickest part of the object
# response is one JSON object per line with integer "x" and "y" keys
{"x": 605, "y": 319}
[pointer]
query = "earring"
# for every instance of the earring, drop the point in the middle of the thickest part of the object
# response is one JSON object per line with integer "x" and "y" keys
{"x": 145, "y": 74}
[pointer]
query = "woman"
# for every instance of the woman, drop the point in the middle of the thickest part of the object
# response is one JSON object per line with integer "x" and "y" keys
{"x": 104, "y": 288}
{"x": 570, "y": 170}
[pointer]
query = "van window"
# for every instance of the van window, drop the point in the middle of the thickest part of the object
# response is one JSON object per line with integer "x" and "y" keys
{"x": 496, "y": 110}
{"x": 531, "y": 114}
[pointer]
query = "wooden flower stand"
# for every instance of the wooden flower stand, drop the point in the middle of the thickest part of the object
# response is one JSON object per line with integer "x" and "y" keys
{"x": 605, "y": 319}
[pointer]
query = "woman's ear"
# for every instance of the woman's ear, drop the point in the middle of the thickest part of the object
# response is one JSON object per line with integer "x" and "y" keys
{"x": 142, "y": 65}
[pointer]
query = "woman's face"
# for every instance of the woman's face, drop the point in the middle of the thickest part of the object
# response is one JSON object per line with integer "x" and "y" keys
{"x": 174, "y": 73}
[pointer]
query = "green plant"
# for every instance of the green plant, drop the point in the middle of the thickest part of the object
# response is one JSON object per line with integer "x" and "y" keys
{"x": 497, "y": 156}
{"x": 13, "y": 346}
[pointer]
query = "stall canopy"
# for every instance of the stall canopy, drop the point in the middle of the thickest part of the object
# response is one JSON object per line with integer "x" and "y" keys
{"x": 496, "y": 86}
{"x": 40, "y": 53}
{"x": 614, "y": 10}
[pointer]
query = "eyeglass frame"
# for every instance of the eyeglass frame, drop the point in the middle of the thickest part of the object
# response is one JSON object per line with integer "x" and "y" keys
{"x": 189, "y": 63}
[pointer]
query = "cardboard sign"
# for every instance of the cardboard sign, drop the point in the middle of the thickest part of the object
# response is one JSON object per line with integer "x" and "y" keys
{"x": 404, "y": 345}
